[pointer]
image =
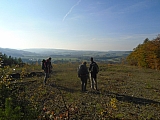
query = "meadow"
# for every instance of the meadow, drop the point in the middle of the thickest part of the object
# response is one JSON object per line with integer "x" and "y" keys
{"x": 125, "y": 92}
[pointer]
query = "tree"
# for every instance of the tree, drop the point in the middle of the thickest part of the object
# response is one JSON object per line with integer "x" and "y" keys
{"x": 146, "y": 55}
{"x": 146, "y": 40}
{"x": 10, "y": 60}
{"x": 19, "y": 60}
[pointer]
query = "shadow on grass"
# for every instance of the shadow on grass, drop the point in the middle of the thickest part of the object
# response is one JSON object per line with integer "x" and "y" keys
{"x": 64, "y": 88}
{"x": 119, "y": 97}
{"x": 132, "y": 99}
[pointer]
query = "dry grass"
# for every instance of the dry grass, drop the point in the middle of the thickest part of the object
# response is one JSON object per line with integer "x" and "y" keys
{"x": 125, "y": 92}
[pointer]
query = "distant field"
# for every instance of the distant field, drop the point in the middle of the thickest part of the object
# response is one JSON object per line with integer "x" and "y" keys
{"x": 125, "y": 92}
{"x": 74, "y": 56}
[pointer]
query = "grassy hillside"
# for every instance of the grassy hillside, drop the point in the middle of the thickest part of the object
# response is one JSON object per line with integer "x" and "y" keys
{"x": 125, "y": 92}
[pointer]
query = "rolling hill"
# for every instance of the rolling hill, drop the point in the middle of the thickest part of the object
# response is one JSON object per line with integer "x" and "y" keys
{"x": 16, "y": 53}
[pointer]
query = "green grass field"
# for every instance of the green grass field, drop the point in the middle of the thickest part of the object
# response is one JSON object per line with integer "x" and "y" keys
{"x": 125, "y": 92}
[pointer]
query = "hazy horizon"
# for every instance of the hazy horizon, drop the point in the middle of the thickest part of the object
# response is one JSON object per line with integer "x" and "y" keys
{"x": 92, "y": 25}
{"x": 61, "y": 49}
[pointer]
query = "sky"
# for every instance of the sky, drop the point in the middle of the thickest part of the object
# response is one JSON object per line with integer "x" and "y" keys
{"x": 98, "y": 25}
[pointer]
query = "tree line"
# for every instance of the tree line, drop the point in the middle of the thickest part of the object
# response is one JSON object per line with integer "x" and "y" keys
{"x": 147, "y": 54}
{"x": 9, "y": 61}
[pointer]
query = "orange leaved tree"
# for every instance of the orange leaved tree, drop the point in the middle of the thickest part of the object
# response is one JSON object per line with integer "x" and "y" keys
{"x": 147, "y": 54}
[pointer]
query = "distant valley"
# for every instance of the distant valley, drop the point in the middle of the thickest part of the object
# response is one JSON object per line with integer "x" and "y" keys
{"x": 62, "y": 55}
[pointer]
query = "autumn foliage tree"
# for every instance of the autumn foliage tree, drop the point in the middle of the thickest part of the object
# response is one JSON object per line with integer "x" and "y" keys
{"x": 147, "y": 54}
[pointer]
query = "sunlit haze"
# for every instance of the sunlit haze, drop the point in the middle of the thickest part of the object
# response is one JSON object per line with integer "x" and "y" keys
{"x": 78, "y": 24}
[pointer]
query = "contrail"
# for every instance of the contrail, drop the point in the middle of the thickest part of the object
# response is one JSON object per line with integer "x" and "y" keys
{"x": 71, "y": 10}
